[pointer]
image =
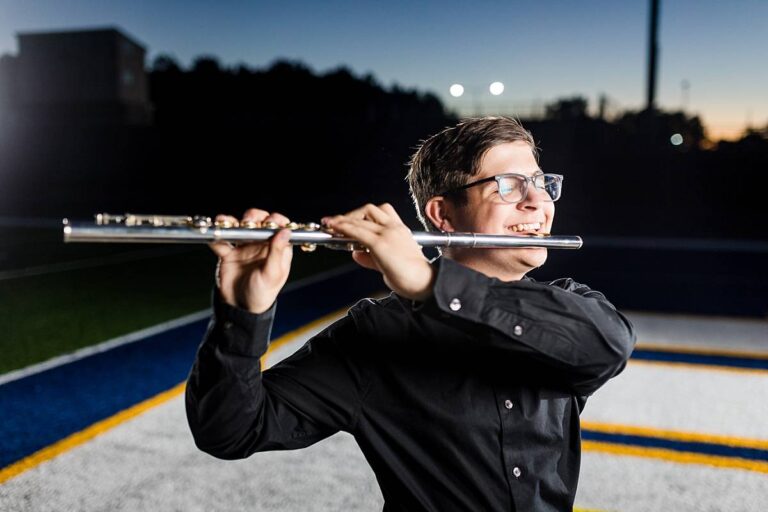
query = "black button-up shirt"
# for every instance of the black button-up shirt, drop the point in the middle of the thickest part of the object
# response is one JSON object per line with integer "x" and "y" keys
{"x": 468, "y": 401}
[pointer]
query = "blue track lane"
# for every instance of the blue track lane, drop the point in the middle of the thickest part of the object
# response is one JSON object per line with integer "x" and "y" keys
{"x": 707, "y": 359}
{"x": 680, "y": 446}
{"x": 41, "y": 409}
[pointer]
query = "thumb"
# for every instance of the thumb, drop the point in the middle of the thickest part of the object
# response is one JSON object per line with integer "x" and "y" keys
{"x": 221, "y": 249}
{"x": 279, "y": 249}
{"x": 364, "y": 259}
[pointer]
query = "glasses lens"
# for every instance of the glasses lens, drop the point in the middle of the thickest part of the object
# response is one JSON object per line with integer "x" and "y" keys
{"x": 552, "y": 184}
{"x": 511, "y": 188}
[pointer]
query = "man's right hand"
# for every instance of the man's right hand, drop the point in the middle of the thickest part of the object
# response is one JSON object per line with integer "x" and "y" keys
{"x": 250, "y": 276}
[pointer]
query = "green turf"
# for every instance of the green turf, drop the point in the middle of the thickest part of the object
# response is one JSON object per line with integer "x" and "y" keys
{"x": 52, "y": 314}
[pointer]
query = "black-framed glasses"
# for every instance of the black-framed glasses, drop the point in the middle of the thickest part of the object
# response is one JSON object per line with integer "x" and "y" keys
{"x": 513, "y": 187}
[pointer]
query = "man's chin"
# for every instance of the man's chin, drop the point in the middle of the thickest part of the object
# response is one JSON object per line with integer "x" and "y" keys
{"x": 533, "y": 257}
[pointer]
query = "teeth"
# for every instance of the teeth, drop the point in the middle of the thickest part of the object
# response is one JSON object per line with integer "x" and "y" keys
{"x": 517, "y": 228}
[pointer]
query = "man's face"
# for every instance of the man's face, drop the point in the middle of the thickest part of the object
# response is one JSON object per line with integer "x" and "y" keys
{"x": 486, "y": 212}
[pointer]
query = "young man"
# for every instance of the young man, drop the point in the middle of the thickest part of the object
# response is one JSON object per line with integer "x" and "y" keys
{"x": 463, "y": 388}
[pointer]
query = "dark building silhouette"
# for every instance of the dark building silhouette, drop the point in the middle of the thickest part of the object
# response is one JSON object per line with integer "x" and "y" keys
{"x": 79, "y": 77}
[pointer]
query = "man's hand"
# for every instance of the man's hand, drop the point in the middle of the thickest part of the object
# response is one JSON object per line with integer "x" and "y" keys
{"x": 393, "y": 251}
{"x": 250, "y": 276}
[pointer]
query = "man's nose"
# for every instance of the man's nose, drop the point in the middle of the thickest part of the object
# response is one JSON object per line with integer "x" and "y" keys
{"x": 535, "y": 197}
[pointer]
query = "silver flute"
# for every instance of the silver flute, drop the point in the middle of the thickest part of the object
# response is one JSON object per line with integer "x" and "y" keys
{"x": 134, "y": 228}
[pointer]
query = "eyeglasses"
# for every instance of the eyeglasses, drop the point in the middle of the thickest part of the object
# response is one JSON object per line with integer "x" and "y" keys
{"x": 513, "y": 188}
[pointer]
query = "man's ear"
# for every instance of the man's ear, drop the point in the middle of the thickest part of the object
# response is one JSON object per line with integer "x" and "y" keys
{"x": 439, "y": 211}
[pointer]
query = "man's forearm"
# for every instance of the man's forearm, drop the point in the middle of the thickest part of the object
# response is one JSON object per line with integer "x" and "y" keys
{"x": 223, "y": 395}
{"x": 567, "y": 328}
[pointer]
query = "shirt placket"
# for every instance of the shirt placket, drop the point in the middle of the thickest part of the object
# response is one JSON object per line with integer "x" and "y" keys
{"x": 509, "y": 412}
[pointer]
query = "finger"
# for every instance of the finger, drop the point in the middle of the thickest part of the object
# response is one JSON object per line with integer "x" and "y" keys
{"x": 280, "y": 252}
{"x": 339, "y": 220}
{"x": 277, "y": 218}
{"x": 221, "y": 249}
{"x": 390, "y": 211}
{"x": 368, "y": 211}
{"x": 365, "y": 259}
{"x": 364, "y": 231}
{"x": 254, "y": 214}
{"x": 221, "y": 218}
{"x": 250, "y": 252}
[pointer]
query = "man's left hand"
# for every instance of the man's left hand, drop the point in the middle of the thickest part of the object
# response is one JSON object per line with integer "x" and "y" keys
{"x": 392, "y": 249}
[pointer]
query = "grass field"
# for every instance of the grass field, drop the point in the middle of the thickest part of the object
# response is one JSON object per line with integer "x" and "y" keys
{"x": 109, "y": 290}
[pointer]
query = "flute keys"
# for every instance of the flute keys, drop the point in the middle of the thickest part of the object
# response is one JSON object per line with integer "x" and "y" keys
{"x": 308, "y": 247}
{"x": 226, "y": 223}
{"x": 198, "y": 221}
{"x": 249, "y": 224}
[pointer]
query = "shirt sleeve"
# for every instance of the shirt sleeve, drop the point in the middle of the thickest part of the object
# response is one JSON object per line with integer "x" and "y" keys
{"x": 234, "y": 409}
{"x": 564, "y": 331}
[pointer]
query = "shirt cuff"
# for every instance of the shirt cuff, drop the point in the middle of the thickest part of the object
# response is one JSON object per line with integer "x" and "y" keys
{"x": 458, "y": 291}
{"x": 240, "y": 331}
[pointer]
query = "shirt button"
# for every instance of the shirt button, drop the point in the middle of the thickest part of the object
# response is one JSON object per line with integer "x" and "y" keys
{"x": 508, "y": 404}
{"x": 227, "y": 325}
{"x": 455, "y": 305}
{"x": 516, "y": 471}
{"x": 518, "y": 330}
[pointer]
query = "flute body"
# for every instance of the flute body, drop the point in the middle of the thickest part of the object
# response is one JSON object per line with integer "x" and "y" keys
{"x": 200, "y": 230}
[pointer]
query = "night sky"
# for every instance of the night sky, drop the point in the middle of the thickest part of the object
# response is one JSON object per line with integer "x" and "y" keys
{"x": 541, "y": 50}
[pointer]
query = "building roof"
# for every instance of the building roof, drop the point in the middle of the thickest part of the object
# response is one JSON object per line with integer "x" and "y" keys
{"x": 82, "y": 32}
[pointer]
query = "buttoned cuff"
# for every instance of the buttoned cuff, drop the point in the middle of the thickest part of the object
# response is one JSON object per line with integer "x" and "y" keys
{"x": 239, "y": 331}
{"x": 458, "y": 290}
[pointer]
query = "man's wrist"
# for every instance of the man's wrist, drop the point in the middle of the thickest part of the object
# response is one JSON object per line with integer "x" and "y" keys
{"x": 424, "y": 292}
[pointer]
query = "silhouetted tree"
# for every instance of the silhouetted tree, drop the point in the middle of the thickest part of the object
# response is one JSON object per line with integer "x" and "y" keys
{"x": 165, "y": 63}
{"x": 206, "y": 64}
{"x": 567, "y": 108}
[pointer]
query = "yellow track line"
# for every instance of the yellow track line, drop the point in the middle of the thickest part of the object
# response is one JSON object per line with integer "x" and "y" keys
{"x": 78, "y": 438}
{"x": 675, "y": 456}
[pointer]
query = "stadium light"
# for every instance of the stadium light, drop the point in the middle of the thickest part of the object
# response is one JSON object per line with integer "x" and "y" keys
{"x": 456, "y": 90}
{"x": 496, "y": 88}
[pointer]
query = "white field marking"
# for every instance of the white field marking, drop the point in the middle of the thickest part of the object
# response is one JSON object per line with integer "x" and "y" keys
{"x": 150, "y": 331}
{"x": 684, "y": 399}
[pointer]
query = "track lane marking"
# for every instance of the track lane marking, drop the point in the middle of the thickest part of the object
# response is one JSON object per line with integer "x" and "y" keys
{"x": 705, "y": 351}
{"x": 675, "y": 435}
{"x": 675, "y": 456}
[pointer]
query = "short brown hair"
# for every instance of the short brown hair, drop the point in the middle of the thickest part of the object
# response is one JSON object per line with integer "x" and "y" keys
{"x": 448, "y": 159}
